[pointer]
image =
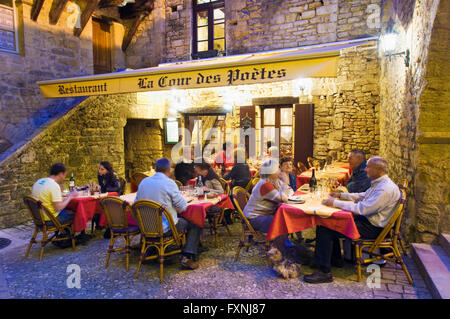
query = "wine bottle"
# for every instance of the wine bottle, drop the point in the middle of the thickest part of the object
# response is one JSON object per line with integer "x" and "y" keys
{"x": 200, "y": 185}
{"x": 313, "y": 181}
{"x": 71, "y": 182}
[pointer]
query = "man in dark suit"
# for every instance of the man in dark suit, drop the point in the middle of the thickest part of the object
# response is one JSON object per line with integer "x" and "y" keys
{"x": 358, "y": 182}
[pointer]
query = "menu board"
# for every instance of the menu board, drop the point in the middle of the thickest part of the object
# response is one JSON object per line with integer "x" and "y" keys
{"x": 172, "y": 132}
{"x": 7, "y": 35}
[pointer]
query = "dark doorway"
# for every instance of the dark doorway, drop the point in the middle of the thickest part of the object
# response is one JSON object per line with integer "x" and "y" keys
{"x": 304, "y": 132}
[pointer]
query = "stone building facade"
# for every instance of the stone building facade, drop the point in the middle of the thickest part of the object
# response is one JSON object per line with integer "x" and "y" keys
{"x": 414, "y": 113}
{"x": 369, "y": 105}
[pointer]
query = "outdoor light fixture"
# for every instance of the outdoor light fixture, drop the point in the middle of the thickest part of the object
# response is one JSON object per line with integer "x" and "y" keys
{"x": 388, "y": 43}
{"x": 301, "y": 86}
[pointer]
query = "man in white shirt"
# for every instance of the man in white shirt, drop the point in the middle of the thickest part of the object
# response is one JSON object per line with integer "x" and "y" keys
{"x": 48, "y": 191}
{"x": 372, "y": 210}
{"x": 163, "y": 190}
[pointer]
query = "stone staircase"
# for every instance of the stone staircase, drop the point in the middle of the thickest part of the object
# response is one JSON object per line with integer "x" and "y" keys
{"x": 433, "y": 262}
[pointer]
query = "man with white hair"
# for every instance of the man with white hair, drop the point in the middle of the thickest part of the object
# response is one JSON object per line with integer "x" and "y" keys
{"x": 372, "y": 211}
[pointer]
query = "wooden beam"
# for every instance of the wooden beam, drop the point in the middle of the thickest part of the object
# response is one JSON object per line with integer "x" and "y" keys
{"x": 131, "y": 32}
{"x": 36, "y": 9}
{"x": 86, "y": 15}
{"x": 56, "y": 10}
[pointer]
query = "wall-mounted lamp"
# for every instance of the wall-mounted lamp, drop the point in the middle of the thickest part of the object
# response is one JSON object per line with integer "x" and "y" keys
{"x": 388, "y": 43}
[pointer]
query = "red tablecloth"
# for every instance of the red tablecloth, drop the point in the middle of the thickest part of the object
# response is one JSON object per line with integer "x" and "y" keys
{"x": 196, "y": 213}
{"x": 290, "y": 219}
{"x": 85, "y": 208}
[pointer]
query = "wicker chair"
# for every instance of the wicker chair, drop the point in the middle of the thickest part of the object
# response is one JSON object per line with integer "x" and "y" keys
{"x": 301, "y": 167}
{"x": 138, "y": 177}
{"x": 225, "y": 186}
{"x": 38, "y": 212}
{"x": 248, "y": 234}
{"x": 123, "y": 185}
{"x": 403, "y": 186}
{"x": 251, "y": 184}
{"x": 383, "y": 241}
{"x": 148, "y": 215}
{"x": 116, "y": 214}
{"x": 310, "y": 161}
{"x": 217, "y": 218}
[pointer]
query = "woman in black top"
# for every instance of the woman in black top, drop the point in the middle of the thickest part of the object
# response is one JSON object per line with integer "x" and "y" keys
{"x": 107, "y": 178}
{"x": 240, "y": 173}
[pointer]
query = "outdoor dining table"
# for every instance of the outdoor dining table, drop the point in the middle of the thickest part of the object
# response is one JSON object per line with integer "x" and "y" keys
{"x": 85, "y": 207}
{"x": 196, "y": 208}
{"x": 341, "y": 173}
{"x": 291, "y": 218}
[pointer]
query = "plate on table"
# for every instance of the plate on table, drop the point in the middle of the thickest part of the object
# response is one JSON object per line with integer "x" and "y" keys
{"x": 296, "y": 199}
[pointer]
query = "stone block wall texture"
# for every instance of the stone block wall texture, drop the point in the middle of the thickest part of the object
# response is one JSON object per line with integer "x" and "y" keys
{"x": 414, "y": 106}
{"x": 51, "y": 51}
{"x": 90, "y": 133}
{"x": 144, "y": 143}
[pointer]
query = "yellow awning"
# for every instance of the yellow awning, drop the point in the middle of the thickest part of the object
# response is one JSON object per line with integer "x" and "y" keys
{"x": 281, "y": 65}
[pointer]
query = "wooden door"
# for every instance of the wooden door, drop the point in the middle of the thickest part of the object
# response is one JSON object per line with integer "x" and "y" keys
{"x": 247, "y": 120}
{"x": 101, "y": 43}
{"x": 304, "y": 132}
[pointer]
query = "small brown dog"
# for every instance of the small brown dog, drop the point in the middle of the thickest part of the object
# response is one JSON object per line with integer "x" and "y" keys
{"x": 284, "y": 268}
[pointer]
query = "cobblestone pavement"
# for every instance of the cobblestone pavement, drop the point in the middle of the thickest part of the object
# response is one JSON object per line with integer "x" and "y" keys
{"x": 217, "y": 277}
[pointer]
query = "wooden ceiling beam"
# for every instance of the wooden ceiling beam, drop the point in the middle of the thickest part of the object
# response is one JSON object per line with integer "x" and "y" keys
{"x": 56, "y": 10}
{"x": 86, "y": 15}
{"x": 36, "y": 9}
{"x": 131, "y": 32}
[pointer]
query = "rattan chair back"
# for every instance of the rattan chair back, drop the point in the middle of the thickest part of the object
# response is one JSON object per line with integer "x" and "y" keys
{"x": 240, "y": 198}
{"x": 225, "y": 186}
{"x": 310, "y": 161}
{"x": 393, "y": 222}
{"x": 122, "y": 185}
{"x": 148, "y": 216}
{"x": 39, "y": 211}
{"x": 138, "y": 177}
{"x": 301, "y": 167}
{"x": 115, "y": 212}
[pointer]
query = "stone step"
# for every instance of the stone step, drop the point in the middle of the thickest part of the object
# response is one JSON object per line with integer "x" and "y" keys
{"x": 434, "y": 264}
{"x": 444, "y": 241}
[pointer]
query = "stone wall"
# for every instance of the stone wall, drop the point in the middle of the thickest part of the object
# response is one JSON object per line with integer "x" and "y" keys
{"x": 144, "y": 144}
{"x": 413, "y": 118}
{"x": 50, "y": 51}
{"x": 90, "y": 133}
{"x": 267, "y": 25}
{"x": 346, "y": 108}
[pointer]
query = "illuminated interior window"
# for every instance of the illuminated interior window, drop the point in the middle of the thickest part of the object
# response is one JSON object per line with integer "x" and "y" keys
{"x": 209, "y": 26}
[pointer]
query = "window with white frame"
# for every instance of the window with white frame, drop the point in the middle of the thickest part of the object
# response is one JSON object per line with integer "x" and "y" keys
{"x": 8, "y": 27}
